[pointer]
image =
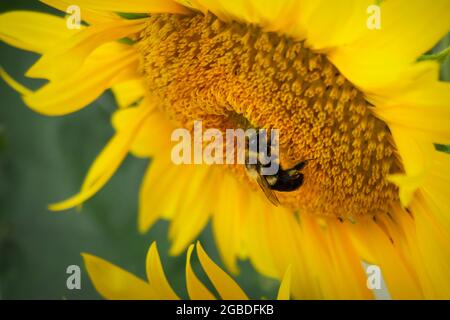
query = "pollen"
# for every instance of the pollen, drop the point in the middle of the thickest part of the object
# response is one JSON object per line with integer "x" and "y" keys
{"x": 200, "y": 68}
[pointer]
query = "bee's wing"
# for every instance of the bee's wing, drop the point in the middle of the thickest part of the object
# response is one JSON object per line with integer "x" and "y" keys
{"x": 267, "y": 191}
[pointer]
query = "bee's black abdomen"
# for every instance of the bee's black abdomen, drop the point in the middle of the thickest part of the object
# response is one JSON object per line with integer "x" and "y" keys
{"x": 287, "y": 183}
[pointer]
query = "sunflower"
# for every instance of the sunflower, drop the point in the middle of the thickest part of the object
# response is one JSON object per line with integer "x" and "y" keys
{"x": 113, "y": 282}
{"x": 357, "y": 100}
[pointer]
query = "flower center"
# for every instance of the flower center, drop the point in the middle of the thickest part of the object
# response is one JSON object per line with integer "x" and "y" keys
{"x": 203, "y": 69}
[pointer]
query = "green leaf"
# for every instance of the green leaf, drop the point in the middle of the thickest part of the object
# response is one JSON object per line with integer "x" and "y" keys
{"x": 132, "y": 16}
{"x": 440, "y": 56}
{"x": 442, "y": 148}
{"x": 127, "y": 41}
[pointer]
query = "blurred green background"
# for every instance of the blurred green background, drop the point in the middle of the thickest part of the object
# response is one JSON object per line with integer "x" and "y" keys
{"x": 43, "y": 160}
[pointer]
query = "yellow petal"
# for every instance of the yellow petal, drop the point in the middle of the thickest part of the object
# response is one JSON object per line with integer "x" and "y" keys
{"x": 324, "y": 24}
{"x": 424, "y": 109}
{"x": 407, "y": 186}
{"x": 282, "y": 234}
{"x": 88, "y": 15}
{"x": 155, "y": 136}
{"x": 132, "y": 6}
{"x": 154, "y": 201}
{"x": 115, "y": 283}
{"x": 284, "y": 291}
{"x": 329, "y": 24}
{"x": 271, "y": 15}
{"x": 398, "y": 272}
{"x": 67, "y": 57}
{"x": 380, "y": 57}
{"x": 434, "y": 245}
{"x": 130, "y": 129}
{"x": 315, "y": 262}
{"x": 427, "y": 93}
{"x": 226, "y": 220}
{"x": 227, "y": 10}
{"x": 196, "y": 289}
{"x": 224, "y": 284}
{"x": 254, "y": 235}
{"x": 418, "y": 158}
{"x": 128, "y": 92}
{"x": 347, "y": 265}
{"x": 13, "y": 83}
{"x": 401, "y": 37}
{"x": 435, "y": 189}
{"x": 191, "y": 4}
{"x": 432, "y": 122}
{"x": 416, "y": 153}
{"x": 106, "y": 163}
{"x": 156, "y": 276}
{"x": 194, "y": 211}
{"x": 79, "y": 89}
{"x": 33, "y": 31}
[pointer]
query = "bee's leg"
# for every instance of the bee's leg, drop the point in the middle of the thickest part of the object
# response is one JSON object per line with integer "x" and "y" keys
{"x": 299, "y": 166}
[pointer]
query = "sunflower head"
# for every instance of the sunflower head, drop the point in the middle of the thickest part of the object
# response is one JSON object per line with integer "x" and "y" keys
{"x": 201, "y": 68}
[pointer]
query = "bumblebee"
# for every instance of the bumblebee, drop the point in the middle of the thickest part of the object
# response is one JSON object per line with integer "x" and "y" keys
{"x": 283, "y": 181}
